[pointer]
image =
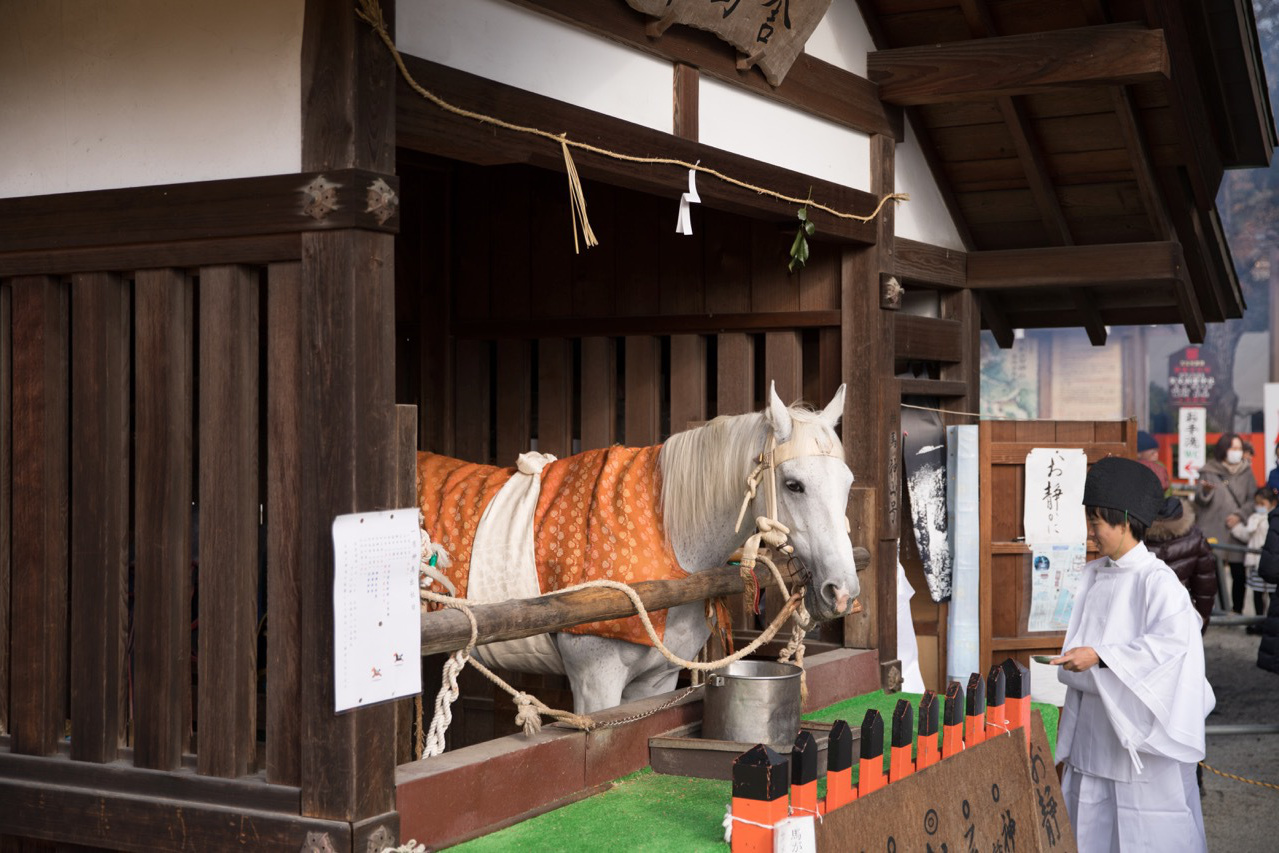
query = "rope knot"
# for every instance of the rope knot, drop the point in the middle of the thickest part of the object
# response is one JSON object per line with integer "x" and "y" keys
{"x": 527, "y": 714}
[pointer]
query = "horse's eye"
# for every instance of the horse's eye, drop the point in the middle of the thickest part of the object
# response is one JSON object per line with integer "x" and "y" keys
{"x": 795, "y": 486}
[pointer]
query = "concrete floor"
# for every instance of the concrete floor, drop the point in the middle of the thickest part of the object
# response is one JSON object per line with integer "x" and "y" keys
{"x": 1239, "y": 817}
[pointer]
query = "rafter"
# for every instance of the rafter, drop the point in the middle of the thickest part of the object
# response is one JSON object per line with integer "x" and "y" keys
{"x": 984, "y": 68}
{"x": 1031, "y": 156}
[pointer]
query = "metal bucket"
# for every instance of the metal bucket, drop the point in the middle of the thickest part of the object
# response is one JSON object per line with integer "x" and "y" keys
{"x": 753, "y": 702}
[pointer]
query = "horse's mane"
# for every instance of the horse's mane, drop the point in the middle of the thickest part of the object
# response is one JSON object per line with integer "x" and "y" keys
{"x": 704, "y": 469}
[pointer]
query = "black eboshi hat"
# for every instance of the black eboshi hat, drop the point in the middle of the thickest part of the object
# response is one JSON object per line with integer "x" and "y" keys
{"x": 1126, "y": 485}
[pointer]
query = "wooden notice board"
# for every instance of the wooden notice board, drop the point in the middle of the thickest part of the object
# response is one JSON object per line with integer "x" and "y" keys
{"x": 1005, "y": 556}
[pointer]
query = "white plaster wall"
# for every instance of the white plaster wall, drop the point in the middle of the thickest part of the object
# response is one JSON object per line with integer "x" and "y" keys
{"x": 502, "y": 42}
{"x": 101, "y": 95}
{"x": 842, "y": 38}
{"x": 749, "y": 124}
{"x": 925, "y": 217}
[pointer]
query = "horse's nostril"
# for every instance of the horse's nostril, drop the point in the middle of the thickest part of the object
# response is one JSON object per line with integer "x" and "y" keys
{"x": 837, "y": 596}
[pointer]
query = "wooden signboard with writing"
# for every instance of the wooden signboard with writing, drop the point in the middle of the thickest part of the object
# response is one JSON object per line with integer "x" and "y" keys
{"x": 770, "y": 33}
{"x": 990, "y": 797}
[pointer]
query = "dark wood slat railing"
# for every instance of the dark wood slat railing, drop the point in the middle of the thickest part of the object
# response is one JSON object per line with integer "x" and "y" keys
{"x": 99, "y": 511}
{"x": 228, "y": 519}
{"x": 163, "y": 409}
{"x": 38, "y": 603}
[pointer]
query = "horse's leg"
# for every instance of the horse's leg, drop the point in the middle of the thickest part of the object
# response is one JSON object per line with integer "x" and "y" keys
{"x": 595, "y": 669}
{"x": 660, "y": 678}
{"x": 686, "y": 633}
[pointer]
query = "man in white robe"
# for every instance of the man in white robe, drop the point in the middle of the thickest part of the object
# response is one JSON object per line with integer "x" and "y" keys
{"x": 1132, "y": 728}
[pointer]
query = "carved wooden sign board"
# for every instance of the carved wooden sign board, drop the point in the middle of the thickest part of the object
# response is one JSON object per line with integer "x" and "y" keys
{"x": 769, "y": 33}
{"x": 991, "y": 797}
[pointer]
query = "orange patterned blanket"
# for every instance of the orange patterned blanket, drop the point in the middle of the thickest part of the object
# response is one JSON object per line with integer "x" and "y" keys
{"x": 598, "y": 517}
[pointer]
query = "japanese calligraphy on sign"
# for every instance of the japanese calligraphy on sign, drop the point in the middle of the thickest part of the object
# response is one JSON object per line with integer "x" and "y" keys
{"x": 1054, "y": 511}
{"x": 1192, "y": 426}
{"x": 770, "y": 33}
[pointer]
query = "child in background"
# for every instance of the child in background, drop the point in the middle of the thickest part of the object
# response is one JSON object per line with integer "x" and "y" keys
{"x": 1252, "y": 531}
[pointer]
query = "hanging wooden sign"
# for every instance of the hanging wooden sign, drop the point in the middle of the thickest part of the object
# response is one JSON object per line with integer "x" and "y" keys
{"x": 769, "y": 33}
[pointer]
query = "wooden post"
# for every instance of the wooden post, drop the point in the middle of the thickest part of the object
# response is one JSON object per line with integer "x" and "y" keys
{"x": 803, "y": 774}
{"x": 839, "y": 766}
{"x": 873, "y": 400}
{"x": 760, "y": 784}
{"x": 346, "y": 346}
{"x": 870, "y": 767}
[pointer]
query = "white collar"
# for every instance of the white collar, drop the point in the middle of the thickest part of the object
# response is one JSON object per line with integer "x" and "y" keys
{"x": 1133, "y": 559}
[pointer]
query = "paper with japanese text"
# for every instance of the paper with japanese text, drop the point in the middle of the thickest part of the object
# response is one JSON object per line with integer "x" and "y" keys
{"x": 1054, "y": 510}
{"x": 1192, "y": 441}
{"x": 1055, "y": 571}
{"x": 377, "y": 629}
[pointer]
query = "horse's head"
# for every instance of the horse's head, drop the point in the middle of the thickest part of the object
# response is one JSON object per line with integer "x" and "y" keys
{"x": 813, "y": 482}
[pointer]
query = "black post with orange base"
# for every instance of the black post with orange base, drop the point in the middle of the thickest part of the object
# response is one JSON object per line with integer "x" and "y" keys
{"x": 761, "y": 782}
{"x": 839, "y": 766}
{"x": 900, "y": 763}
{"x": 870, "y": 769}
{"x": 927, "y": 752}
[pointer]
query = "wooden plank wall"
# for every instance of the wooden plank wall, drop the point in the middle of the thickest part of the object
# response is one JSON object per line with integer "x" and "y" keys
{"x": 111, "y": 368}
{"x": 645, "y": 335}
{"x": 1005, "y": 557}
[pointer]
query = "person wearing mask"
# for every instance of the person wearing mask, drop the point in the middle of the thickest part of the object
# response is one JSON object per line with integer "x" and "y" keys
{"x": 1226, "y": 486}
{"x": 1148, "y": 455}
{"x": 1252, "y": 532}
{"x": 1177, "y": 540}
{"x": 1132, "y": 727}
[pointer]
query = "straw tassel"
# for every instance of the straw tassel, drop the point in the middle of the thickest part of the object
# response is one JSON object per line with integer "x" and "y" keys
{"x": 577, "y": 200}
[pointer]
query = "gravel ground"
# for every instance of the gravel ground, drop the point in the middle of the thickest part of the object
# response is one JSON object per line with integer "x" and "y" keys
{"x": 1239, "y": 817}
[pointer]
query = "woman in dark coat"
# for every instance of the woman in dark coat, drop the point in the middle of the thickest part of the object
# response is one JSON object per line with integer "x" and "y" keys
{"x": 1268, "y": 568}
{"x": 1177, "y": 540}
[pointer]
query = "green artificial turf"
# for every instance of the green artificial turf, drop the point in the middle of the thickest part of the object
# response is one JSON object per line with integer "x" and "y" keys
{"x": 652, "y": 811}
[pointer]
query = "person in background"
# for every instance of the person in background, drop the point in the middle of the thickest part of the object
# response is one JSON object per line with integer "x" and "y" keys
{"x": 1252, "y": 531}
{"x": 1226, "y": 486}
{"x": 1148, "y": 455}
{"x": 1273, "y": 480}
{"x": 1268, "y": 569}
{"x": 1132, "y": 727}
{"x": 1177, "y": 540}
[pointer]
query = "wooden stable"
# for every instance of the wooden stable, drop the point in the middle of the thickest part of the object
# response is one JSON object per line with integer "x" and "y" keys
{"x": 254, "y": 344}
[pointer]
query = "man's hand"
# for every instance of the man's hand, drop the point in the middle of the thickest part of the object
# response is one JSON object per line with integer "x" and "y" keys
{"x": 1077, "y": 659}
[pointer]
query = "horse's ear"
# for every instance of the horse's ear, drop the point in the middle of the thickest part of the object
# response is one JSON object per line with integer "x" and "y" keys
{"x": 834, "y": 409}
{"x": 778, "y": 415}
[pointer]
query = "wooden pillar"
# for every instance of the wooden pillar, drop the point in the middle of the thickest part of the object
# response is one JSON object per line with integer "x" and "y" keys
{"x": 872, "y": 424}
{"x": 349, "y": 437}
{"x": 38, "y": 597}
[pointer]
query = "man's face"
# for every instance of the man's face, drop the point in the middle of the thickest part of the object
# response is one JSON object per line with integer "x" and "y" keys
{"x": 1110, "y": 537}
{"x": 1151, "y": 455}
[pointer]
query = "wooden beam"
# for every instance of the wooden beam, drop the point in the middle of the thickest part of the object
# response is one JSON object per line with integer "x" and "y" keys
{"x": 1156, "y": 208}
{"x": 202, "y": 210}
{"x": 981, "y": 69}
{"x": 922, "y": 263}
{"x": 670, "y": 324}
{"x": 811, "y": 85}
{"x": 926, "y": 338}
{"x": 1125, "y": 264}
{"x": 424, "y": 127}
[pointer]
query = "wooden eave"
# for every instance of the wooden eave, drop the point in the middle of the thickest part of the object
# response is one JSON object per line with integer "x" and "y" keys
{"x": 1078, "y": 125}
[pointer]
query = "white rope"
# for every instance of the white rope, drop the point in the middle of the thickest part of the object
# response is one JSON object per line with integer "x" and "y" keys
{"x": 444, "y": 700}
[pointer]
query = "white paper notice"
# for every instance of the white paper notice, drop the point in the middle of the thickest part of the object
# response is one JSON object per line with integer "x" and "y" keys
{"x": 1192, "y": 435}
{"x": 1054, "y": 513}
{"x": 377, "y": 625}
{"x": 795, "y": 834}
{"x": 1055, "y": 571}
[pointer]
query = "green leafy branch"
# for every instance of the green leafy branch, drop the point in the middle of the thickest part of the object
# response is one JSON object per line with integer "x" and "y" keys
{"x": 799, "y": 247}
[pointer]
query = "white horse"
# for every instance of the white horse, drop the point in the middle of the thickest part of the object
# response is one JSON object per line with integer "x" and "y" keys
{"x": 703, "y": 475}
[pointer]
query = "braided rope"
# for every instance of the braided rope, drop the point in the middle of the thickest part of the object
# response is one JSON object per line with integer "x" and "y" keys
{"x": 1269, "y": 785}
